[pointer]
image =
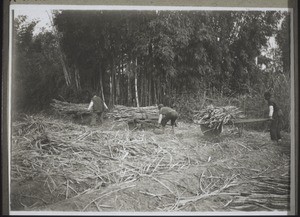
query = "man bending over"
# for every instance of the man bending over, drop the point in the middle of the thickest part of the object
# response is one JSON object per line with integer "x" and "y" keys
{"x": 166, "y": 114}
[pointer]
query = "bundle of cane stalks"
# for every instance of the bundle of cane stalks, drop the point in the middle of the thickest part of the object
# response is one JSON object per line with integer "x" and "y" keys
{"x": 214, "y": 117}
{"x": 69, "y": 108}
{"x": 118, "y": 112}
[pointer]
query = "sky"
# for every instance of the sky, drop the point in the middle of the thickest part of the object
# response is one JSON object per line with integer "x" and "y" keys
{"x": 38, "y": 14}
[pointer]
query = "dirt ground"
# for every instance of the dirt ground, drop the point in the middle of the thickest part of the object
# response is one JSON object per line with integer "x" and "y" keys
{"x": 61, "y": 166}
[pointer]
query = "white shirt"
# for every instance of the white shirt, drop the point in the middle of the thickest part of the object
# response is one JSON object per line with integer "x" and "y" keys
{"x": 92, "y": 103}
{"x": 271, "y": 110}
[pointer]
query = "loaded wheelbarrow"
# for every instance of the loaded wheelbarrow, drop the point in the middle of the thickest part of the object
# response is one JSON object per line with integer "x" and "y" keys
{"x": 216, "y": 129}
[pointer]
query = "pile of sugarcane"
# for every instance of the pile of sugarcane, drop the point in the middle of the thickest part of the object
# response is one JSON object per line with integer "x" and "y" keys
{"x": 118, "y": 112}
{"x": 69, "y": 108}
{"x": 273, "y": 193}
{"x": 123, "y": 113}
{"x": 214, "y": 117}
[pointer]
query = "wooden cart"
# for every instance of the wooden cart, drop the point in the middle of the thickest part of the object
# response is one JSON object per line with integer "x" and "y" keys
{"x": 239, "y": 123}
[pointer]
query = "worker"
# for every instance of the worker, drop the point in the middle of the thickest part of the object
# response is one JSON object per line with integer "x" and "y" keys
{"x": 97, "y": 106}
{"x": 166, "y": 114}
{"x": 275, "y": 115}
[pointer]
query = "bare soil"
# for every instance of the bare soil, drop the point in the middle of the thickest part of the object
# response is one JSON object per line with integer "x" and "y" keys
{"x": 58, "y": 165}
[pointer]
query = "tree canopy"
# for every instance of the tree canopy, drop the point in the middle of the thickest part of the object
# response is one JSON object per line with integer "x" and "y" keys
{"x": 169, "y": 51}
{"x": 150, "y": 57}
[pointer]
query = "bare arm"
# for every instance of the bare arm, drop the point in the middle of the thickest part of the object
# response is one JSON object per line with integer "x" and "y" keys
{"x": 159, "y": 118}
{"x": 91, "y": 105}
{"x": 105, "y": 105}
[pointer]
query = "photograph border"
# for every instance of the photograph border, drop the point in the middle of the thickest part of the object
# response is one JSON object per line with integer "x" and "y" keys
{"x": 6, "y": 108}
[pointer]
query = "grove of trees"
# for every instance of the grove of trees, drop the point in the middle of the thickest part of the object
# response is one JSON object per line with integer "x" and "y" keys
{"x": 141, "y": 58}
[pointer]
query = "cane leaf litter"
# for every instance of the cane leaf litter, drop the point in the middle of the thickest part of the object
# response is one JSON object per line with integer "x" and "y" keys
{"x": 58, "y": 164}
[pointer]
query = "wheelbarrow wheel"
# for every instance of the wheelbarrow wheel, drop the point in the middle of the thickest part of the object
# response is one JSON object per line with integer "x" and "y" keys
{"x": 211, "y": 131}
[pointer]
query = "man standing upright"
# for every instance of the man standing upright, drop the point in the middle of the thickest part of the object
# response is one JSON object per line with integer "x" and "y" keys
{"x": 275, "y": 114}
{"x": 97, "y": 106}
{"x": 166, "y": 114}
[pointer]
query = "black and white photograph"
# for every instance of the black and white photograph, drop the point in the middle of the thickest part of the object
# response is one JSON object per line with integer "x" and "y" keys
{"x": 151, "y": 109}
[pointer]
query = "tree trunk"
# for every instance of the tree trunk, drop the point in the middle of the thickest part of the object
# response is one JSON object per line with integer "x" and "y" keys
{"x": 155, "y": 92}
{"x": 65, "y": 70}
{"x": 112, "y": 82}
{"x": 101, "y": 82}
{"x": 113, "y": 86}
{"x": 122, "y": 83}
{"x": 77, "y": 78}
{"x": 61, "y": 54}
{"x": 129, "y": 91}
{"x": 149, "y": 89}
{"x": 142, "y": 87}
{"x": 146, "y": 94}
{"x": 110, "y": 91}
{"x": 118, "y": 87}
{"x": 135, "y": 85}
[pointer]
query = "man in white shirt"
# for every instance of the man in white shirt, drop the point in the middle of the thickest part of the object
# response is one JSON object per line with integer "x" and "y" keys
{"x": 275, "y": 114}
{"x": 97, "y": 106}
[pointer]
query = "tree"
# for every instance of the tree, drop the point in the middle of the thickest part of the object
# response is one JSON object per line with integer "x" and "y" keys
{"x": 176, "y": 51}
{"x": 283, "y": 40}
{"x": 34, "y": 85}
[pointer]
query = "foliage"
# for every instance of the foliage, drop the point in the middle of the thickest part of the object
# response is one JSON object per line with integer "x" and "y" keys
{"x": 167, "y": 53}
{"x": 215, "y": 49}
{"x": 283, "y": 40}
{"x": 36, "y": 77}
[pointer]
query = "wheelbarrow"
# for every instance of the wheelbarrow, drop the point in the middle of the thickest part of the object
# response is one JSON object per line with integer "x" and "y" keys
{"x": 211, "y": 130}
{"x": 239, "y": 123}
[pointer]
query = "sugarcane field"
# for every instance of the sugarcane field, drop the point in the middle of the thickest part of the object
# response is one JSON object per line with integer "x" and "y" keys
{"x": 132, "y": 111}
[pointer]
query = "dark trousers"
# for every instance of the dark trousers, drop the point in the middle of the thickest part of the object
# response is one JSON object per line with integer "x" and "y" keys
{"x": 170, "y": 116}
{"x": 275, "y": 128}
{"x": 95, "y": 116}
